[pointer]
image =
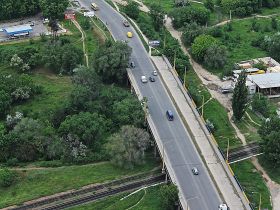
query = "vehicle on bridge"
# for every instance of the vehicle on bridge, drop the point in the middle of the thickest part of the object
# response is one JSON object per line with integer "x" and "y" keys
{"x": 125, "y": 23}
{"x": 94, "y": 6}
{"x": 129, "y": 34}
{"x": 152, "y": 79}
{"x": 169, "y": 115}
{"x": 144, "y": 79}
{"x": 223, "y": 206}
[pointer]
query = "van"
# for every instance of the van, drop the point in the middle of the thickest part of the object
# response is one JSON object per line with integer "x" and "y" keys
{"x": 169, "y": 115}
{"x": 94, "y": 6}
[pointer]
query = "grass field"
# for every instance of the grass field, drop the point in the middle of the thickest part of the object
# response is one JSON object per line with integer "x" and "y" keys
{"x": 253, "y": 183}
{"x": 239, "y": 40}
{"x": 149, "y": 200}
{"x": 37, "y": 183}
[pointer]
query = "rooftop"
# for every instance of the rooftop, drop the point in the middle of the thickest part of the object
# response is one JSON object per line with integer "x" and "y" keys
{"x": 18, "y": 29}
{"x": 269, "y": 80}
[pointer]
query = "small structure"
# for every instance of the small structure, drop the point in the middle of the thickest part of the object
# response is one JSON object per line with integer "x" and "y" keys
{"x": 268, "y": 84}
{"x": 18, "y": 31}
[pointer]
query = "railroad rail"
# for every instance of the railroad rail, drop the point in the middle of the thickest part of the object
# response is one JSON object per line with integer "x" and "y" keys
{"x": 244, "y": 152}
{"x": 94, "y": 192}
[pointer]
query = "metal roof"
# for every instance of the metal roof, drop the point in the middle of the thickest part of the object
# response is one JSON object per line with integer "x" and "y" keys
{"x": 18, "y": 29}
{"x": 269, "y": 80}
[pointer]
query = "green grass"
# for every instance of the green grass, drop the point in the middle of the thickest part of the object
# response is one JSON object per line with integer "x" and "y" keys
{"x": 248, "y": 128}
{"x": 37, "y": 183}
{"x": 240, "y": 38}
{"x": 253, "y": 183}
{"x": 56, "y": 90}
{"x": 274, "y": 173}
{"x": 151, "y": 200}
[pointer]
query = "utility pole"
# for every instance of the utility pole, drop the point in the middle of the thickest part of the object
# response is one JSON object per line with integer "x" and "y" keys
{"x": 260, "y": 201}
{"x": 175, "y": 60}
{"x": 230, "y": 14}
{"x": 202, "y": 105}
{"x": 227, "y": 150}
{"x": 185, "y": 73}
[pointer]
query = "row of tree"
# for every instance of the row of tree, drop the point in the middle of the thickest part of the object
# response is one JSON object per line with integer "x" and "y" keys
{"x": 10, "y": 9}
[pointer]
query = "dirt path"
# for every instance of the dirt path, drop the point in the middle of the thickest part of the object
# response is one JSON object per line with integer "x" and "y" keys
{"x": 83, "y": 39}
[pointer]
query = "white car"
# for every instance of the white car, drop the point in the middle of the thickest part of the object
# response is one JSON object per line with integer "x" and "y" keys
{"x": 223, "y": 206}
{"x": 144, "y": 79}
{"x": 155, "y": 73}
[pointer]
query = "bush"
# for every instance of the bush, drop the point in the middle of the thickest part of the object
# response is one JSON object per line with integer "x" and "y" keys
{"x": 186, "y": 15}
{"x": 12, "y": 162}
{"x": 7, "y": 177}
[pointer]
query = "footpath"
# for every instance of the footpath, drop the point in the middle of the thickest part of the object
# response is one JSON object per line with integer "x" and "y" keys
{"x": 222, "y": 176}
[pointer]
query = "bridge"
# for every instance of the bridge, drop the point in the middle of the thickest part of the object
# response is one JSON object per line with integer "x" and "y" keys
{"x": 173, "y": 140}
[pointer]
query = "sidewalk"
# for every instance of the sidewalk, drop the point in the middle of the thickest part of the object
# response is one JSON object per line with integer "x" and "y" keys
{"x": 227, "y": 187}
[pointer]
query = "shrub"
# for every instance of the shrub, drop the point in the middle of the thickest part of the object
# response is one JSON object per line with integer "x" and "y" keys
{"x": 7, "y": 177}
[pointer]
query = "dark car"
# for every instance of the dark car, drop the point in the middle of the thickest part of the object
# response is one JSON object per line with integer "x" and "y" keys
{"x": 132, "y": 64}
{"x": 169, "y": 115}
{"x": 126, "y": 23}
{"x": 152, "y": 79}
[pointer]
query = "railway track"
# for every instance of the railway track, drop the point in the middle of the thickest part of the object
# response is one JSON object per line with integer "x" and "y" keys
{"x": 244, "y": 152}
{"x": 93, "y": 193}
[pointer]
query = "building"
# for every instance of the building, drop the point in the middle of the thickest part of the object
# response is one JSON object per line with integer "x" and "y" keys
{"x": 267, "y": 84}
{"x": 18, "y": 31}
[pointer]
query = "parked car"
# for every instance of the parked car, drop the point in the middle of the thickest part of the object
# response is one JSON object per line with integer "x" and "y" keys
{"x": 144, "y": 79}
{"x": 155, "y": 73}
{"x": 125, "y": 23}
{"x": 195, "y": 171}
{"x": 152, "y": 79}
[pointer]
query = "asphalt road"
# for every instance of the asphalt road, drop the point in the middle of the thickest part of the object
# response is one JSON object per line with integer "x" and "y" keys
{"x": 199, "y": 191}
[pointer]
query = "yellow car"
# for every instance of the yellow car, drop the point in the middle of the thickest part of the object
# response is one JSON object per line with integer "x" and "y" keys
{"x": 129, "y": 35}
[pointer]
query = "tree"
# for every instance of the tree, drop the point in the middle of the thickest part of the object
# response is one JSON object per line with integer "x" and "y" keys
{"x": 5, "y": 103}
{"x": 132, "y": 10}
{"x": 190, "y": 32}
{"x": 156, "y": 13}
{"x": 274, "y": 23}
{"x": 216, "y": 56}
{"x": 268, "y": 126}
{"x": 200, "y": 46}
{"x": 7, "y": 177}
{"x": 90, "y": 128}
{"x": 274, "y": 46}
{"x": 169, "y": 194}
{"x": 87, "y": 77}
{"x": 128, "y": 111}
{"x": 25, "y": 142}
{"x": 75, "y": 151}
{"x": 271, "y": 147}
{"x": 53, "y": 9}
{"x": 11, "y": 9}
{"x": 240, "y": 94}
{"x": 209, "y": 4}
{"x": 260, "y": 104}
{"x": 71, "y": 56}
{"x": 110, "y": 62}
{"x": 80, "y": 97}
{"x": 127, "y": 148}
{"x": 189, "y": 14}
